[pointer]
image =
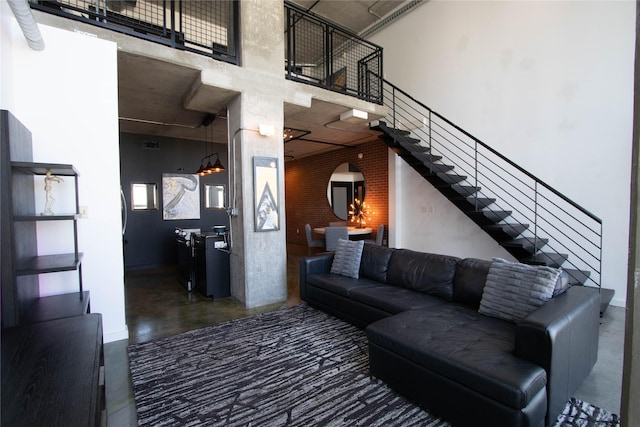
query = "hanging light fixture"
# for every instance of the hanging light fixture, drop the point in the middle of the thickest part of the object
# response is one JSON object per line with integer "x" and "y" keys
{"x": 217, "y": 165}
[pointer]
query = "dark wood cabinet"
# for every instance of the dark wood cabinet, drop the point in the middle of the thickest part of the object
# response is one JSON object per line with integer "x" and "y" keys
{"x": 53, "y": 373}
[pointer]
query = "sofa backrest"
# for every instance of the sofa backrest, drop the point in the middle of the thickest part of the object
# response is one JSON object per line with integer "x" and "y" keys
{"x": 449, "y": 277}
{"x": 375, "y": 262}
{"x": 424, "y": 272}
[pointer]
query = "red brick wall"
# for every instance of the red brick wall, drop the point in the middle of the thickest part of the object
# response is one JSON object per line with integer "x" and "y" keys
{"x": 306, "y": 183}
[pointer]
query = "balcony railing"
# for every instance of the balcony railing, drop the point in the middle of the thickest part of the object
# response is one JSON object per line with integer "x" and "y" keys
{"x": 324, "y": 55}
{"x": 317, "y": 52}
{"x": 205, "y": 27}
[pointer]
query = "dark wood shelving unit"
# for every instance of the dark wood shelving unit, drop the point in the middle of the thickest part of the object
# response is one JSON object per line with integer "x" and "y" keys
{"x": 22, "y": 265}
{"x": 25, "y": 213}
{"x": 52, "y": 347}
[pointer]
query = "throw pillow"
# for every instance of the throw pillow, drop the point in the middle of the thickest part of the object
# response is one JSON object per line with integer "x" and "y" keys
{"x": 513, "y": 290}
{"x": 346, "y": 260}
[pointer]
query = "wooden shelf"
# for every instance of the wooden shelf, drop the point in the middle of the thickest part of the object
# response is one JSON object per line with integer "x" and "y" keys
{"x": 50, "y": 264}
{"x": 57, "y": 217}
{"x": 58, "y": 307}
{"x": 42, "y": 168}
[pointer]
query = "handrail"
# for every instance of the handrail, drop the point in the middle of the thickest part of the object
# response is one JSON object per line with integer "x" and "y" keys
{"x": 538, "y": 224}
{"x": 493, "y": 151}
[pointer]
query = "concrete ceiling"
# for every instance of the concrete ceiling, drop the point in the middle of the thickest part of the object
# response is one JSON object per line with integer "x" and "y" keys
{"x": 153, "y": 94}
{"x": 353, "y": 15}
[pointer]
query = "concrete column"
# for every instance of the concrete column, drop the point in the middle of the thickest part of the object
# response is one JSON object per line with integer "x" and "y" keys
{"x": 258, "y": 262}
{"x": 630, "y": 411}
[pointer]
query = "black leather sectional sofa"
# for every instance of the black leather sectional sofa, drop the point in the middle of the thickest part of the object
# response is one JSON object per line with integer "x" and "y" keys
{"x": 428, "y": 341}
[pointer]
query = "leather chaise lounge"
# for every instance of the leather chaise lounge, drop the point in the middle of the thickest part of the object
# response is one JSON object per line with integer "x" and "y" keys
{"x": 431, "y": 341}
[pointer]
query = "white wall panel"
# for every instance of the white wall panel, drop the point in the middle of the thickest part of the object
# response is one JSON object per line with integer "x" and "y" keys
{"x": 548, "y": 84}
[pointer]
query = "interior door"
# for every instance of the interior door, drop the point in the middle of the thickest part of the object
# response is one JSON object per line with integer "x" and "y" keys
{"x": 341, "y": 198}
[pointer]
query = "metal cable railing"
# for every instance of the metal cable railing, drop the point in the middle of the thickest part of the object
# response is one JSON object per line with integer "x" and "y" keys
{"x": 204, "y": 27}
{"x": 547, "y": 227}
{"x": 321, "y": 54}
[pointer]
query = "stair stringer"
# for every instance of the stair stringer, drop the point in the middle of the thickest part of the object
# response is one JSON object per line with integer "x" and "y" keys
{"x": 513, "y": 236}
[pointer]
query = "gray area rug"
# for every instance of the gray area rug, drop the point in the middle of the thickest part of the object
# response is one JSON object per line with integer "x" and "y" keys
{"x": 297, "y": 366}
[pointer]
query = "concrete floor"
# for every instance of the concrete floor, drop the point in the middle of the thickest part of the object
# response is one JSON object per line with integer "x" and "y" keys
{"x": 157, "y": 306}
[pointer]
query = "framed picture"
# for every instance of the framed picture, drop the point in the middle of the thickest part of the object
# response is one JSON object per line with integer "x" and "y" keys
{"x": 180, "y": 196}
{"x": 265, "y": 175}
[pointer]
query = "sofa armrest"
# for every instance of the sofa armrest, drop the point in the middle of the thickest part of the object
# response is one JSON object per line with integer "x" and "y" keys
{"x": 318, "y": 264}
{"x": 562, "y": 337}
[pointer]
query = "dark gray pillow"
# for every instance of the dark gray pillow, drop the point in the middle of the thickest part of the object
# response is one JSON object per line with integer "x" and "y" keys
{"x": 346, "y": 260}
{"x": 513, "y": 290}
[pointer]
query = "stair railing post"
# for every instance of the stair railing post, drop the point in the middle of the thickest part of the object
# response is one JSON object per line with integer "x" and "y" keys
{"x": 430, "y": 152}
{"x": 600, "y": 262}
{"x": 475, "y": 170}
{"x": 535, "y": 217}
{"x": 393, "y": 106}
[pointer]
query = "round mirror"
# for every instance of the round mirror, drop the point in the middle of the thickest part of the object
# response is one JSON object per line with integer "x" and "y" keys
{"x": 345, "y": 185}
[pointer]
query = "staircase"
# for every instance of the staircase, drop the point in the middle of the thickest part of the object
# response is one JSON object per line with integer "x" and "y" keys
{"x": 534, "y": 222}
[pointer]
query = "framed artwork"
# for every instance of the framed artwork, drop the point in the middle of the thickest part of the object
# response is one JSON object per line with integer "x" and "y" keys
{"x": 180, "y": 196}
{"x": 265, "y": 175}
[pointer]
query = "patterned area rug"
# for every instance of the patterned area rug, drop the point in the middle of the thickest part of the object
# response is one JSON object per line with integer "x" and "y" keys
{"x": 297, "y": 367}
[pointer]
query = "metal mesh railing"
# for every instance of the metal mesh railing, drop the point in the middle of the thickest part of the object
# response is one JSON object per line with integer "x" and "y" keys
{"x": 204, "y": 27}
{"x": 321, "y": 54}
{"x": 558, "y": 231}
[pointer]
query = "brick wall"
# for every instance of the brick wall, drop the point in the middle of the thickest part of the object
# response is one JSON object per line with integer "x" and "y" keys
{"x": 306, "y": 183}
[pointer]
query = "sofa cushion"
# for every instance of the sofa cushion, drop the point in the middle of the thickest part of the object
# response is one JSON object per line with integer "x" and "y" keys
{"x": 338, "y": 284}
{"x": 468, "y": 283}
{"x": 394, "y": 299}
{"x": 513, "y": 290}
{"x": 375, "y": 262}
{"x": 423, "y": 272}
{"x": 346, "y": 260}
{"x": 464, "y": 346}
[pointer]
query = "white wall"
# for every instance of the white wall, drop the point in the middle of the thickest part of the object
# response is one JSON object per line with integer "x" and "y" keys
{"x": 548, "y": 84}
{"x": 67, "y": 95}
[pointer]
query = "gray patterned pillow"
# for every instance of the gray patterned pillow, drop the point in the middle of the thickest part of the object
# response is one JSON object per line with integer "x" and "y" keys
{"x": 514, "y": 290}
{"x": 346, "y": 260}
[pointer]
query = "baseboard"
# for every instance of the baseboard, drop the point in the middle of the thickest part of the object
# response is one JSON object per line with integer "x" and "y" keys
{"x": 112, "y": 336}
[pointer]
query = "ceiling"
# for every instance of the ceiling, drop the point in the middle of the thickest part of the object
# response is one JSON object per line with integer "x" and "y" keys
{"x": 353, "y": 15}
{"x": 152, "y": 93}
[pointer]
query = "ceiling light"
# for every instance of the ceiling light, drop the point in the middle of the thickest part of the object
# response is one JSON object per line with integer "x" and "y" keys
{"x": 354, "y": 116}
